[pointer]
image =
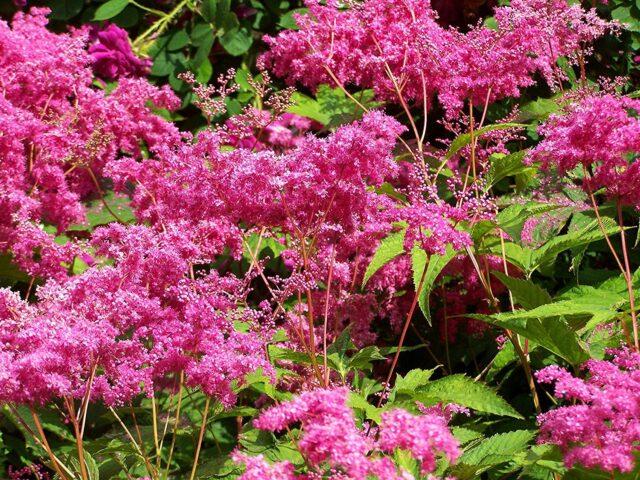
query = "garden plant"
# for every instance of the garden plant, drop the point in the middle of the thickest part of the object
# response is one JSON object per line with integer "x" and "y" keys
{"x": 319, "y": 239}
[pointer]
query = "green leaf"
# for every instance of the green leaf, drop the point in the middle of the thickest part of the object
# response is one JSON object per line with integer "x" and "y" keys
{"x": 525, "y": 292}
{"x": 414, "y": 379}
{"x": 9, "y": 272}
{"x": 503, "y": 166}
{"x": 591, "y": 233}
{"x": 465, "y": 139}
{"x": 546, "y": 327}
{"x": 65, "y": 9}
{"x": 236, "y": 41}
{"x": 363, "y": 359}
{"x": 513, "y": 218}
{"x": 110, "y": 9}
{"x": 331, "y": 107}
{"x": 465, "y": 391}
{"x": 538, "y": 109}
{"x": 357, "y": 401}
{"x": 178, "y": 40}
{"x": 389, "y": 248}
{"x": 436, "y": 264}
{"x": 208, "y": 9}
{"x": 495, "y": 450}
{"x": 288, "y": 21}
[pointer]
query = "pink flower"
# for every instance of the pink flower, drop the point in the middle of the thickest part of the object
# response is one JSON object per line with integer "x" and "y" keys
{"x": 602, "y": 427}
{"x": 601, "y": 133}
{"x": 112, "y": 56}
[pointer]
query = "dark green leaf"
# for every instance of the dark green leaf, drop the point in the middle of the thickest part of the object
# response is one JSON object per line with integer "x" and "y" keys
{"x": 389, "y": 248}
{"x": 525, "y": 292}
{"x": 465, "y": 391}
{"x": 110, "y": 9}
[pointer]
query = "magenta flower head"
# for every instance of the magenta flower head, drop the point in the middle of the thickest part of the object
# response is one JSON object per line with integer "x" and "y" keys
{"x": 113, "y": 57}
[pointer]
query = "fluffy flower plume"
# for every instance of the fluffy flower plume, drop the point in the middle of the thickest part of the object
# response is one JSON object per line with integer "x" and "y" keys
{"x": 602, "y": 427}
{"x": 396, "y": 47}
{"x": 330, "y": 437}
{"x": 601, "y": 133}
{"x": 59, "y": 132}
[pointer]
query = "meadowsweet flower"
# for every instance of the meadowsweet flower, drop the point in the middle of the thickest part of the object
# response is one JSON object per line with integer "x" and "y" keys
{"x": 425, "y": 436}
{"x": 600, "y": 133}
{"x": 58, "y": 134}
{"x": 602, "y": 427}
{"x": 399, "y": 46}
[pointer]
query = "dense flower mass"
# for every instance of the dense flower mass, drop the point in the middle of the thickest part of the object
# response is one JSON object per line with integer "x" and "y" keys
{"x": 59, "y": 134}
{"x": 197, "y": 282}
{"x": 602, "y": 134}
{"x": 330, "y": 436}
{"x": 400, "y": 50}
{"x": 602, "y": 427}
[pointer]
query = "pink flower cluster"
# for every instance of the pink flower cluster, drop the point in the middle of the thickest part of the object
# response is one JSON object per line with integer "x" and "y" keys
{"x": 602, "y": 134}
{"x": 400, "y": 50}
{"x": 330, "y": 441}
{"x": 121, "y": 330}
{"x": 260, "y": 129}
{"x": 59, "y": 132}
{"x": 601, "y": 427}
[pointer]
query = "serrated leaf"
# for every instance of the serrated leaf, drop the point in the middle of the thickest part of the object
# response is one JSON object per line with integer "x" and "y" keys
{"x": 389, "y": 248}
{"x": 464, "y": 391}
{"x": 492, "y": 451}
{"x": 591, "y": 233}
{"x": 435, "y": 266}
{"x": 357, "y": 401}
{"x": 110, "y": 9}
{"x": 546, "y": 327}
{"x": 412, "y": 381}
{"x": 525, "y": 292}
{"x": 363, "y": 359}
{"x": 502, "y": 166}
{"x": 465, "y": 139}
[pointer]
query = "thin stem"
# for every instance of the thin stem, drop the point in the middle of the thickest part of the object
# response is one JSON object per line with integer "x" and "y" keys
{"x": 138, "y": 448}
{"x": 527, "y": 369}
{"x": 175, "y": 427}
{"x": 200, "y": 438}
{"x": 404, "y": 332}
{"x": 160, "y": 25}
{"x": 101, "y": 193}
{"x": 326, "y": 318}
{"x": 78, "y": 435}
{"x": 47, "y": 447}
{"x": 628, "y": 278}
{"x": 154, "y": 413}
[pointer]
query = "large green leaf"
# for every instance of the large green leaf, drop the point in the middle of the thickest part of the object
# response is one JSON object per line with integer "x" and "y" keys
{"x": 503, "y": 166}
{"x": 492, "y": 451}
{"x": 546, "y": 327}
{"x": 464, "y": 391}
{"x": 389, "y": 248}
{"x": 436, "y": 264}
{"x": 590, "y": 233}
{"x": 110, "y": 9}
{"x": 525, "y": 292}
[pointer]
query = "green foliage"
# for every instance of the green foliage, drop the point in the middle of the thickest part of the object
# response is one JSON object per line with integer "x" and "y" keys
{"x": 390, "y": 247}
{"x": 464, "y": 391}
